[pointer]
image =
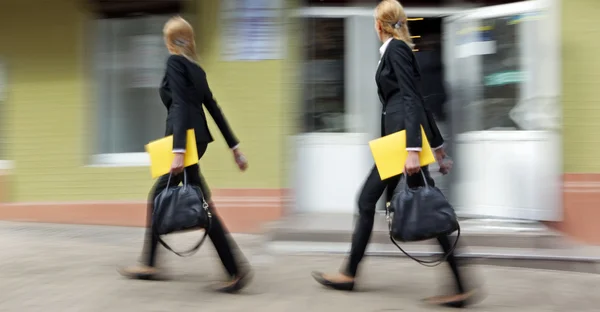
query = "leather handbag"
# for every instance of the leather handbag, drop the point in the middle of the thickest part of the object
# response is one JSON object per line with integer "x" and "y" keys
{"x": 422, "y": 213}
{"x": 180, "y": 208}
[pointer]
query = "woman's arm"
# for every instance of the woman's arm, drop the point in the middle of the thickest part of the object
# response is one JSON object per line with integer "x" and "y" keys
{"x": 436, "y": 140}
{"x": 401, "y": 58}
{"x": 215, "y": 111}
{"x": 179, "y": 107}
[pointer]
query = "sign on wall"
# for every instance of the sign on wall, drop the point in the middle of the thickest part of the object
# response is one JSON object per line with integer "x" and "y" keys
{"x": 251, "y": 30}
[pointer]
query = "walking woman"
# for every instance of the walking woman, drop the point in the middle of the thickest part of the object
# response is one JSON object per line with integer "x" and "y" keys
{"x": 184, "y": 91}
{"x": 397, "y": 80}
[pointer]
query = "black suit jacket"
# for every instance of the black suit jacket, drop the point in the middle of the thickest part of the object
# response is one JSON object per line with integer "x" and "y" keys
{"x": 183, "y": 91}
{"x": 398, "y": 85}
{"x": 432, "y": 82}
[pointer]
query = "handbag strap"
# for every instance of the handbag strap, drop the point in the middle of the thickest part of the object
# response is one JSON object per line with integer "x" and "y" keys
{"x": 427, "y": 263}
{"x": 425, "y": 183}
{"x": 404, "y": 183}
{"x": 194, "y": 249}
{"x": 171, "y": 175}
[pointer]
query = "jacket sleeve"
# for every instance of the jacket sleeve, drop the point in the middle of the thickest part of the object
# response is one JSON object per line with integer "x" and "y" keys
{"x": 436, "y": 140}
{"x": 401, "y": 58}
{"x": 179, "y": 109}
{"x": 217, "y": 114}
{"x": 435, "y": 137}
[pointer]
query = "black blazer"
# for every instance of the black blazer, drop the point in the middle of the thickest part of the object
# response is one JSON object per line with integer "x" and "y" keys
{"x": 398, "y": 85}
{"x": 432, "y": 82}
{"x": 183, "y": 91}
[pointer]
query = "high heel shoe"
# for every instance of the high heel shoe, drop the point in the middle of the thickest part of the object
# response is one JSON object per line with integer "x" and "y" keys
{"x": 344, "y": 286}
{"x": 237, "y": 284}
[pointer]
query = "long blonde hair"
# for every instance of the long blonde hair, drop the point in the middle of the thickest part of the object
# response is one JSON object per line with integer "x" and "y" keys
{"x": 179, "y": 38}
{"x": 392, "y": 17}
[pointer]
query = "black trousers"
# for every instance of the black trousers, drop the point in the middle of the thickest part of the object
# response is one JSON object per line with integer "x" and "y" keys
{"x": 224, "y": 245}
{"x": 369, "y": 195}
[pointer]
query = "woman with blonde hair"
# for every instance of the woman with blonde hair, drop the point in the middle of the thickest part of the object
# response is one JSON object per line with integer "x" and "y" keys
{"x": 184, "y": 92}
{"x": 397, "y": 81}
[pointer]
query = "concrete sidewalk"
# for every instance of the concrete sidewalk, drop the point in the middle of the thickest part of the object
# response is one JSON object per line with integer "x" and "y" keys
{"x": 72, "y": 268}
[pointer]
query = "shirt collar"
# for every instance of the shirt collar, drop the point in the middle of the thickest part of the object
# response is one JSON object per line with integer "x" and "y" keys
{"x": 384, "y": 47}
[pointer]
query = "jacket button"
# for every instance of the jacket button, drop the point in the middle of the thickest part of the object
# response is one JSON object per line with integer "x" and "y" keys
{"x": 384, "y": 113}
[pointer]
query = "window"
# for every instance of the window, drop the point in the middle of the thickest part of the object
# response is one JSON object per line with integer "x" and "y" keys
{"x": 502, "y": 74}
{"x": 490, "y": 52}
{"x": 323, "y": 85}
{"x": 129, "y": 62}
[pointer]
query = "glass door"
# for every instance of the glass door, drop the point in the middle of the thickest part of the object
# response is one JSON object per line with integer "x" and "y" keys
{"x": 504, "y": 112}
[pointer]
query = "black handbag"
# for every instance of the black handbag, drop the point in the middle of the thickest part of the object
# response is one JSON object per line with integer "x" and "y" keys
{"x": 422, "y": 213}
{"x": 180, "y": 208}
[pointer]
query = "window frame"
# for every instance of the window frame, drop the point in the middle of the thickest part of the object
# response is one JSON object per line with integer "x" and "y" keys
{"x": 120, "y": 160}
{"x": 95, "y": 158}
{"x": 307, "y": 84}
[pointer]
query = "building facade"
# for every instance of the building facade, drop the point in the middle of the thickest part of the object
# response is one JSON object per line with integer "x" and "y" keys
{"x": 502, "y": 108}
{"x": 76, "y": 114}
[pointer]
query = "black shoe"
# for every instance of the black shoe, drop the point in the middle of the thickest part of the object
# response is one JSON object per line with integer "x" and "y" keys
{"x": 344, "y": 286}
{"x": 236, "y": 284}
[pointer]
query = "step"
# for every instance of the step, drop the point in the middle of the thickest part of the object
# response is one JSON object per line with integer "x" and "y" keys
{"x": 584, "y": 259}
{"x": 337, "y": 228}
{"x": 484, "y": 241}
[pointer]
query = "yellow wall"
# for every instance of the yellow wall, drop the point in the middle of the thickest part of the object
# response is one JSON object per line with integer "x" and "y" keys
{"x": 581, "y": 85}
{"x": 49, "y": 122}
{"x": 253, "y": 97}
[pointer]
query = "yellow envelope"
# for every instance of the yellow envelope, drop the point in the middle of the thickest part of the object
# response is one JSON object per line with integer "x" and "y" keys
{"x": 161, "y": 154}
{"x": 389, "y": 153}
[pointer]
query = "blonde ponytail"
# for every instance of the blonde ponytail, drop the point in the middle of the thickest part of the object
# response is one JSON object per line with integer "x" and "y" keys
{"x": 179, "y": 38}
{"x": 393, "y": 20}
{"x": 405, "y": 35}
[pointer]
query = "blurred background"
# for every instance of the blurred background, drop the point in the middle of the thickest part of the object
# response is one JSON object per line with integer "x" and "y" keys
{"x": 512, "y": 84}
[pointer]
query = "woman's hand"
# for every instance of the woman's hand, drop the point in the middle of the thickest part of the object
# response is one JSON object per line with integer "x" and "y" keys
{"x": 177, "y": 165}
{"x": 444, "y": 162}
{"x": 413, "y": 164}
{"x": 240, "y": 159}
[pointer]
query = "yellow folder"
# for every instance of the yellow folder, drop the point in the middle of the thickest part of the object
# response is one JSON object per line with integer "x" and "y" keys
{"x": 389, "y": 153}
{"x": 161, "y": 154}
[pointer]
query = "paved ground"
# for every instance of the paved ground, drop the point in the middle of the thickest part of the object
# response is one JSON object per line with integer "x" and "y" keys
{"x": 72, "y": 268}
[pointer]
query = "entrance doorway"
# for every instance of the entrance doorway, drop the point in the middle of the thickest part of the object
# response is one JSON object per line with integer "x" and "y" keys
{"x": 493, "y": 85}
{"x": 505, "y": 113}
{"x": 340, "y": 111}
